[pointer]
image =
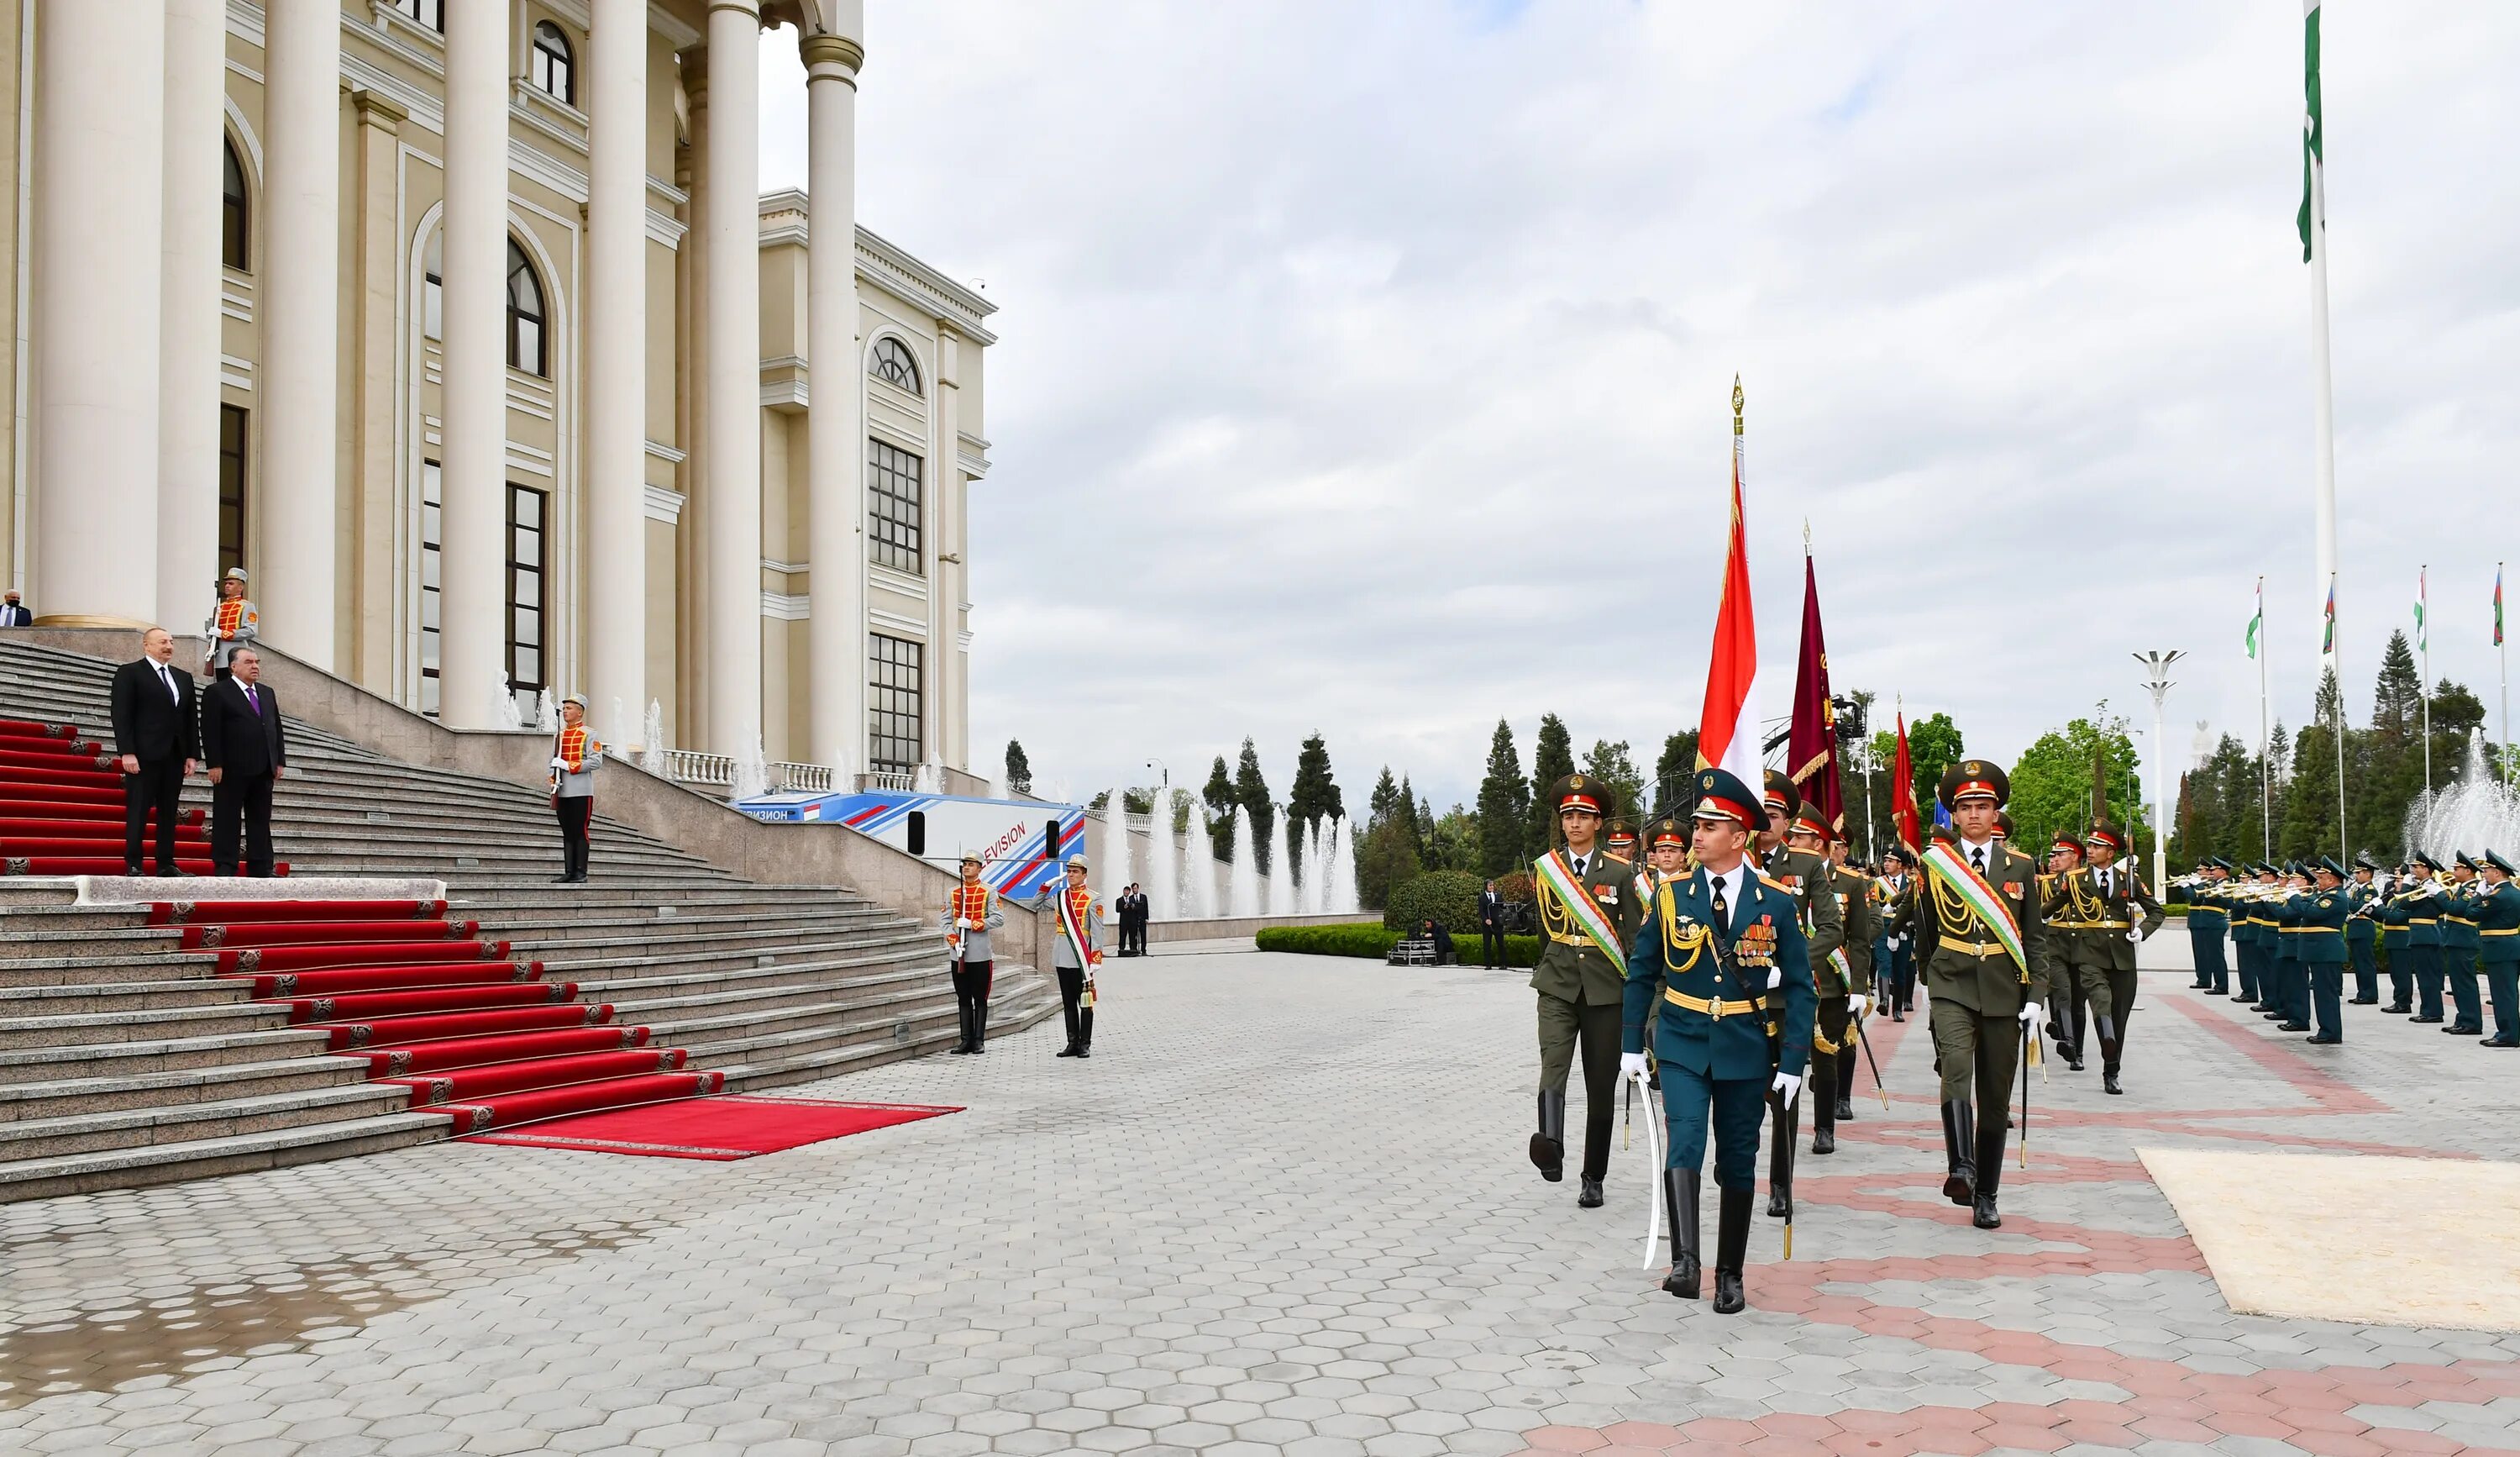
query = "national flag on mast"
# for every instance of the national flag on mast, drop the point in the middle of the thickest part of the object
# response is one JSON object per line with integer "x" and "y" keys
{"x": 1728, "y": 726}
{"x": 2313, "y": 136}
{"x": 1903, "y": 791}
{"x": 2423, "y": 635}
{"x": 1811, "y": 745}
{"x": 2257, "y": 619}
{"x": 2498, "y": 604}
{"x": 2327, "y": 638}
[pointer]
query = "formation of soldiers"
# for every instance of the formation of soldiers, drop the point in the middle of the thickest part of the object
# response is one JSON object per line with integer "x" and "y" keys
{"x": 1738, "y": 965}
{"x": 2295, "y": 931}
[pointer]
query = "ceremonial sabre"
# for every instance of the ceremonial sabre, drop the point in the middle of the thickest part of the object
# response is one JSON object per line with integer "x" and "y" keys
{"x": 1654, "y": 1178}
{"x": 2028, "y": 1041}
{"x": 1865, "y": 1043}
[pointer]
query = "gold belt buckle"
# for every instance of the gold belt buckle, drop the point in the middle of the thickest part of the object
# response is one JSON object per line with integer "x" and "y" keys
{"x": 1715, "y": 1006}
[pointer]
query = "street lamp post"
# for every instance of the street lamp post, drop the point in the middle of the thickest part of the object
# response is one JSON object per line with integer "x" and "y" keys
{"x": 2156, "y": 681}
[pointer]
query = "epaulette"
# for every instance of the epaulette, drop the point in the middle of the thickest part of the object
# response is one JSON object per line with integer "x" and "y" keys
{"x": 1617, "y": 858}
{"x": 1773, "y": 884}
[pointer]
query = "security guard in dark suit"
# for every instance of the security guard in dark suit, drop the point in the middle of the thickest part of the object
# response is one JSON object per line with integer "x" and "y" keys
{"x": 1804, "y": 874}
{"x": 2498, "y": 929}
{"x": 1722, "y": 959}
{"x": 2362, "y": 930}
{"x": 1986, "y": 992}
{"x": 1588, "y": 911}
{"x": 2321, "y": 912}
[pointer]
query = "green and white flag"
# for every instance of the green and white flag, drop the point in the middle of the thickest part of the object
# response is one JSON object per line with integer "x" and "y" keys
{"x": 2423, "y": 640}
{"x": 2258, "y": 621}
{"x": 2313, "y": 136}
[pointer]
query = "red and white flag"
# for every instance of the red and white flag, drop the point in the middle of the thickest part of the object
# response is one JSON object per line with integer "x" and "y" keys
{"x": 1728, "y": 726}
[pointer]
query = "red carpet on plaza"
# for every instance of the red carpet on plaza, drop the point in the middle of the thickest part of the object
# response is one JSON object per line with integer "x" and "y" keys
{"x": 714, "y": 1128}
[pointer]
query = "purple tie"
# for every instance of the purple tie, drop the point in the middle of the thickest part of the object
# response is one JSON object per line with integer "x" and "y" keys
{"x": 252, "y": 701}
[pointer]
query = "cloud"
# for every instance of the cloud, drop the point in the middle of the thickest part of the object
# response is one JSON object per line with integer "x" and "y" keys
{"x": 1364, "y": 368}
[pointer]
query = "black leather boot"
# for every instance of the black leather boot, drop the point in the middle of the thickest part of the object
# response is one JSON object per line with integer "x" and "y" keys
{"x": 1680, "y": 1192}
{"x": 1989, "y": 1175}
{"x": 1548, "y": 1144}
{"x": 1085, "y": 1031}
{"x": 1067, "y": 1014}
{"x": 1589, "y": 1195}
{"x": 1786, "y": 1125}
{"x": 963, "y": 1026}
{"x": 1846, "y": 1056}
{"x": 1732, "y": 1243}
{"x": 981, "y": 1024}
{"x": 1825, "y": 1104}
{"x": 1959, "y": 1150}
{"x": 2109, "y": 1057}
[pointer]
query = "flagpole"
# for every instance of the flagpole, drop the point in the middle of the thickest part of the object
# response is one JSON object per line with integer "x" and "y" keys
{"x": 2315, "y": 245}
{"x": 2502, "y": 648}
{"x": 2336, "y": 667}
{"x": 2266, "y": 742}
{"x": 2424, "y": 633}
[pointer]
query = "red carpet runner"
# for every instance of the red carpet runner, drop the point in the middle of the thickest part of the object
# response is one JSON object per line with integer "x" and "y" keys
{"x": 430, "y": 1003}
{"x": 61, "y": 807}
{"x": 720, "y": 1130}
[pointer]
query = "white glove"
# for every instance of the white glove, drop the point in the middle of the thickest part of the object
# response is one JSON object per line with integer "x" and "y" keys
{"x": 1786, "y": 1087}
{"x": 558, "y": 762}
{"x": 2030, "y": 1013}
{"x": 1856, "y": 1004}
{"x": 1631, "y": 1064}
{"x": 966, "y": 924}
{"x": 1775, "y": 978}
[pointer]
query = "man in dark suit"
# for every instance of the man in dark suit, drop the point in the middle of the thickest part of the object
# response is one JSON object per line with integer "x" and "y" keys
{"x": 247, "y": 750}
{"x": 154, "y": 733}
{"x": 12, "y": 612}
{"x": 1491, "y": 927}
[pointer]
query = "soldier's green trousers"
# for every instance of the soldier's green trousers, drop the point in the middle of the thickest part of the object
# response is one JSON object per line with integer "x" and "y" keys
{"x": 1595, "y": 1024}
{"x": 1974, "y": 1050}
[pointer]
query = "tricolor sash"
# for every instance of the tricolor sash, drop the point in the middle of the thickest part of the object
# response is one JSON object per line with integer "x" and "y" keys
{"x": 1944, "y": 861}
{"x": 1559, "y": 878}
{"x": 1074, "y": 907}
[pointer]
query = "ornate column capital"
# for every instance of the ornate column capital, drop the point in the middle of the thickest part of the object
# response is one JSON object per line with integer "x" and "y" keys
{"x": 821, "y": 51}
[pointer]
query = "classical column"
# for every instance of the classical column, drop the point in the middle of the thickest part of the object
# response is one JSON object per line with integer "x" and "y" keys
{"x": 375, "y": 418}
{"x": 835, "y": 438}
{"x": 691, "y": 534}
{"x": 98, "y": 148}
{"x": 189, "y": 322}
{"x": 298, "y": 302}
{"x": 944, "y": 536}
{"x": 731, "y": 216}
{"x": 472, "y": 640}
{"x": 616, "y": 365}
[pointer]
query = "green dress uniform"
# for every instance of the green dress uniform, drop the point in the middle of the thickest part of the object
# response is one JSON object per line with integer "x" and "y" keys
{"x": 2129, "y": 916}
{"x": 2498, "y": 929}
{"x": 2396, "y": 917}
{"x": 2069, "y": 903}
{"x": 2207, "y": 918}
{"x": 2458, "y": 952}
{"x": 2292, "y": 980}
{"x": 2249, "y": 940}
{"x": 1858, "y": 933}
{"x": 1579, "y": 986}
{"x": 2319, "y": 945}
{"x": 1721, "y": 974}
{"x": 1980, "y": 992}
{"x": 1806, "y": 876}
{"x": 2363, "y": 933}
{"x": 2424, "y": 902}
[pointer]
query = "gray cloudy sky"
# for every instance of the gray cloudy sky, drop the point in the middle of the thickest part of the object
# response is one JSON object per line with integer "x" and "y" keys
{"x": 1364, "y": 368}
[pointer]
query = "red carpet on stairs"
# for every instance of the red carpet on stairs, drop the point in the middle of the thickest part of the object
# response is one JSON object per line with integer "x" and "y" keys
{"x": 60, "y": 808}
{"x": 715, "y": 1128}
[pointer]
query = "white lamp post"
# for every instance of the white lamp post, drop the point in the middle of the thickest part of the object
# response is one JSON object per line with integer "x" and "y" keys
{"x": 2156, "y": 681}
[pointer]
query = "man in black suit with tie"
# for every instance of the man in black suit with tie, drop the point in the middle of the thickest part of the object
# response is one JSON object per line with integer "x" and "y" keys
{"x": 154, "y": 733}
{"x": 247, "y": 750}
{"x": 12, "y": 612}
{"x": 1491, "y": 927}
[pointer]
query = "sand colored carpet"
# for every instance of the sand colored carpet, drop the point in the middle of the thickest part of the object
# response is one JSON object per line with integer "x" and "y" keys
{"x": 2396, "y": 1242}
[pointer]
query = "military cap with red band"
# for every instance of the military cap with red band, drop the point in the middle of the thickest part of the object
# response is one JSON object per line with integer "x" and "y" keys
{"x": 1722, "y": 795}
{"x": 1581, "y": 791}
{"x": 1780, "y": 795}
{"x": 1666, "y": 831}
{"x": 2065, "y": 840}
{"x": 1808, "y": 824}
{"x": 1973, "y": 779}
{"x": 2105, "y": 832}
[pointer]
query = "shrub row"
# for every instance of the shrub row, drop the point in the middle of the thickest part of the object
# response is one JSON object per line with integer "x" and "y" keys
{"x": 1374, "y": 942}
{"x": 1451, "y": 896}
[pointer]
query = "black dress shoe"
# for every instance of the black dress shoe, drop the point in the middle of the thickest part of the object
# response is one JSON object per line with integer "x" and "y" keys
{"x": 2462, "y": 1030}
{"x": 1727, "y": 1293}
{"x": 2363, "y": 1002}
{"x": 1845, "y": 1110}
{"x": 1085, "y": 1052}
{"x": 2292, "y": 1027}
{"x": 2422, "y": 1019}
{"x": 2398, "y": 1009}
{"x": 2109, "y": 1081}
{"x": 2073, "y": 1062}
{"x": 2323, "y": 1041}
{"x": 1985, "y": 1216}
{"x": 1823, "y": 1140}
{"x": 1778, "y": 1204}
{"x": 1590, "y": 1197}
{"x": 1069, "y": 1051}
{"x": 2501, "y": 1042}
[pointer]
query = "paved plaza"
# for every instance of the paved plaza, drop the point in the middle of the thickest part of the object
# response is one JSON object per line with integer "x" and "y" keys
{"x": 1283, "y": 1208}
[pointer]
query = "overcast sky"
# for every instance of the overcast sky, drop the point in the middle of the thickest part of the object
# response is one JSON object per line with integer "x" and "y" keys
{"x": 1364, "y": 368}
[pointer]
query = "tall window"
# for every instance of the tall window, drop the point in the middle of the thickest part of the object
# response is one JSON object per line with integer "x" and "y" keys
{"x": 433, "y": 285}
{"x": 232, "y": 423}
{"x": 553, "y": 66}
{"x": 232, "y": 214}
{"x": 894, "y": 365}
{"x": 892, "y": 507}
{"x": 524, "y": 313}
{"x": 429, "y": 13}
{"x": 892, "y": 704}
{"x": 433, "y": 531}
{"x": 526, "y": 577}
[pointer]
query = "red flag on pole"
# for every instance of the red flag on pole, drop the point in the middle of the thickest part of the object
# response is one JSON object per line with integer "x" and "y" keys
{"x": 1727, "y": 725}
{"x": 1903, "y": 791}
{"x": 1811, "y": 752}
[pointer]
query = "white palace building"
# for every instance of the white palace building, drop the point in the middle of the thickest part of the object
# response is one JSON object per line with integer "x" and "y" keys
{"x": 478, "y": 345}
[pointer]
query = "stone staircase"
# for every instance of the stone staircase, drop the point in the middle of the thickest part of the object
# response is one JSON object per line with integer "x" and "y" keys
{"x": 126, "y": 1060}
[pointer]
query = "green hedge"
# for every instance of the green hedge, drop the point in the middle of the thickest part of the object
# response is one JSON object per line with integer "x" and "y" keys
{"x": 1451, "y": 896}
{"x": 1374, "y": 942}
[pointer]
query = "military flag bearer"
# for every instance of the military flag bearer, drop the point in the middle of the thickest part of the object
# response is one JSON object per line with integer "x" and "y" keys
{"x": 1587, "y": 910}
{"x": 1985, "y": 956}
{"x": 1722, "y": 959}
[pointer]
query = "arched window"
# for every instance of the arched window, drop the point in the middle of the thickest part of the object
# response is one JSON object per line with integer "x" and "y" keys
{"x": 232, "y": 219}
{"x": 554, "y": 68}
{"x": 894, "y": 365}
{"x": 433, "y": 285}
{"x": 524, "y": 313}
